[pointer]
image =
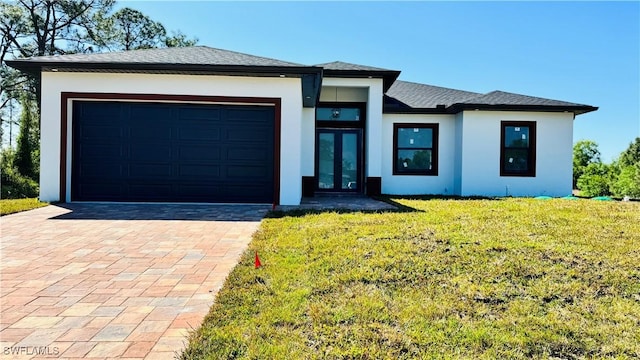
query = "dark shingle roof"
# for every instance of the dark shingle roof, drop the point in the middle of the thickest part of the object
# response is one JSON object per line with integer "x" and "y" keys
{"x": 426, "y": 96}
{"x": 505, "y": 98}
{"x": 339, "y": 65}
{"x": 180, "y": 60}
{"x": 411, "y": 97}
{"x": 195, "y": 55}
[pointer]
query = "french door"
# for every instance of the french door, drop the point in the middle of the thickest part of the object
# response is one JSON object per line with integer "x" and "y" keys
{"x": 339, "y": 160}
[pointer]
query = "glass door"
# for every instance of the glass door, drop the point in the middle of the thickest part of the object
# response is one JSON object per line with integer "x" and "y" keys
{"x": 339, "y": 160}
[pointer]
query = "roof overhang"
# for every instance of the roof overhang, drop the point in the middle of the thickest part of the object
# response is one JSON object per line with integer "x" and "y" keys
{"x": 388, "y": 76}
{"x": 393, "y": 106}
{"x": 311, "y": 76}
{"x": 576, "y": 109}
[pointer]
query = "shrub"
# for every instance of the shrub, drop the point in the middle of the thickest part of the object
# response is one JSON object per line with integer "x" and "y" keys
{"x": 13, "y": 185}
{"x": 595, "y": 180}
{"x": 628, "y": 183}
{"x": 585, "y": 152}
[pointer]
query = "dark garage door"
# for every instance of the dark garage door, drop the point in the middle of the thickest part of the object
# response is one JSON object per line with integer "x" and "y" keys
{"x": 127, "y": 151}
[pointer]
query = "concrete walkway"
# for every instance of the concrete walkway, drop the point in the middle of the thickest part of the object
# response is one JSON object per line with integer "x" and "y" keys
{"x": 345, "y": 202}
{"x": 114, "y": 280}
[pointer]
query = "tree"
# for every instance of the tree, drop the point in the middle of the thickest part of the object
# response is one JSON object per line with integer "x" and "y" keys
{"x": 42, "y": 27}
{"x": 27, "y": 144}
{"x": 596, "y": 180}
{"x": 631, "y": 156}
{"x": 134, "y": 30}
{"x": 45, "y": 27}
{"x": 593, "y": 178}
{"x": 585, "y": 152}
{"x": 628, "y": 182}
{"x": 178, "y": 39}
{"x": 20, "y": 167}
{"x": 129, "y": 29}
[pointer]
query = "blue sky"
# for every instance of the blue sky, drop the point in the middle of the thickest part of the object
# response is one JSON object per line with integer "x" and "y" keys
{"x": 583, "y": 52}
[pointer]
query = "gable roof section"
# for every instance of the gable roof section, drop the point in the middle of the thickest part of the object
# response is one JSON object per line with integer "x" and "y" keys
{"x": 407, "y": 97}
{"x": 347, "y": 70}
{"x": 422, "y": 96}
{"x": 179, "y": 60}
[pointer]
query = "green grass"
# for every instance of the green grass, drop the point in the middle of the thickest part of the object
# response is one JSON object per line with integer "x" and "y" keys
{"x": 476, "y": 279}
{"x": 10, "y": 206}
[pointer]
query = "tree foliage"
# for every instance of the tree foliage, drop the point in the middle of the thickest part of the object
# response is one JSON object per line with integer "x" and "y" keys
{"x": 621, "y": 178}
{"x": 631, "y": 156}
{"x": 20, "y": 167}
{"x": 27, "y": 144}
{"x": 596, "y": 180}
{"x": 628, "y": 182}
{"x": 13, "y": 184}
{"x": 585, "y": 152}
{"x": 129, "y": 29}
{"x": 44, "y": 27}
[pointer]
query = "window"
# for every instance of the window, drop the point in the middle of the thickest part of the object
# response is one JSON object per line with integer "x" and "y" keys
{"x": 518, "y": 148}
{"x": 415, "y": 149}
{"x": 337, "y": 113}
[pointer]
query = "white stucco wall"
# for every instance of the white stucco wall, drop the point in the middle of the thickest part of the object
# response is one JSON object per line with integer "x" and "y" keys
{"x": 287, "y": 89}
{"x": 443, "y": 183}
{"x": 373, "y": 143}
{"x": 480, "y": 160}
{"x": 457, "y": 160}
{"x": 308, "y": 142}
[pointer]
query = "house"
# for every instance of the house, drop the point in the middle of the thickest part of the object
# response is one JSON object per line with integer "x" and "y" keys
{"x": 199, "y": 124}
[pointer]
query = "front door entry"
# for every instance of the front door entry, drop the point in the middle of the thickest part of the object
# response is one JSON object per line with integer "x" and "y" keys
{"x": 339, "y": 160}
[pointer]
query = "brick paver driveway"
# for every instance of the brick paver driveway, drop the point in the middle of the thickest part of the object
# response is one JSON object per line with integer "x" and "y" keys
{"x": 114, "y": 280}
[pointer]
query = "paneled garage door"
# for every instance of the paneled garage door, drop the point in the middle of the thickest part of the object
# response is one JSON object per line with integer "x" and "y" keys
{"x": 133, "y": 151}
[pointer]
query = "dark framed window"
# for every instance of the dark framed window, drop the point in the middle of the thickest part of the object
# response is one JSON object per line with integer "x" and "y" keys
{"x": 415, "y": 149}
{"x": 518, "y": 148}
{"x": 341, "y": 115}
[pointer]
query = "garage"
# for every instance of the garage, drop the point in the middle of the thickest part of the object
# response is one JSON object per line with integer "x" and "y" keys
{"x": 172, "y": 152}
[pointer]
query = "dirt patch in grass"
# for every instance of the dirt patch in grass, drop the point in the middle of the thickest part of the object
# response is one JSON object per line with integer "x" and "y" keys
{"x": 516, "y": 278}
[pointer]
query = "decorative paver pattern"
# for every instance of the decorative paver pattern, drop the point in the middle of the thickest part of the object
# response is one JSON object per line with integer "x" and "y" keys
{"x": 103, "y": 281}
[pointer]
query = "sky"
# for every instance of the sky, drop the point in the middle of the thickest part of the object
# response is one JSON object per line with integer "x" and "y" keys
{"x": 582, "y": 52}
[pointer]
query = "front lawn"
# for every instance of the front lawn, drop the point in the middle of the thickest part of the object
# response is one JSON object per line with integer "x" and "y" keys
{"x": 513, "y": 278}
{"x": 10, "y": 206}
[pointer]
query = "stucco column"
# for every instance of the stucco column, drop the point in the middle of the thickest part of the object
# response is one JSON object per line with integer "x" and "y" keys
{"x": 374, "y": 131}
